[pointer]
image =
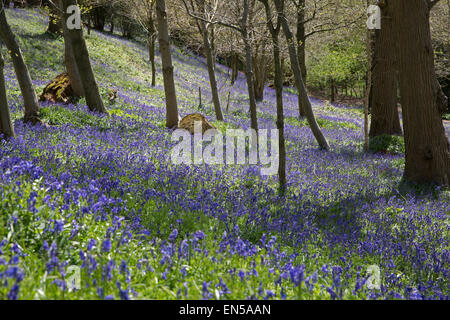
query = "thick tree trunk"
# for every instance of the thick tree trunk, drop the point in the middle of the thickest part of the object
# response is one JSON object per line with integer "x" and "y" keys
{"x": 427, "y": 147}
{"x": 167, "y": 67}
{"x": 71, "y": 64}
{"x": 306, "y": 104}
{"x": 30, "y": 99}
{"x": 81, "y": 54}
{"x": 249, "y": 68}
{"x": 383, "y": 84}
{"x": 6, "y": 127}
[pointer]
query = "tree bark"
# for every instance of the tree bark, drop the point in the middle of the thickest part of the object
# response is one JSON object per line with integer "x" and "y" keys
{"x": 306, "y": 104}
{"x": 6, "y": 127}
{"x": 278, "y": 81}
{"x": 54, "y": 20}
{"x": 260, "y": 71}
{"x": 234, "y": 67}
{"x": 81, "y": 54}
{"x": 151, "y": 49}
{"x": 301, "y": 51}
{"x": 30, "y": 99}
{"x": 383, "y": 84}
{"x": 210, "y": 63}
{"x": 70, "y": 62}
{"x": 166, "y": 57}
{"x": 427, "y": 147}
{"x": 212, "y": 74}
{"x": 249, "y": 68}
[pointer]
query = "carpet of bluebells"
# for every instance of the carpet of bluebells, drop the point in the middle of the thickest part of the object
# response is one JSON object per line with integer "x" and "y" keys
{"x": 100, "y": 193}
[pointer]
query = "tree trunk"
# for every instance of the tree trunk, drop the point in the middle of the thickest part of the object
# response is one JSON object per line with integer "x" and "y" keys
{"x": 383, "y": 84}
{"x": 260, "y": 70}
{"x": 167, "y": 67}
{"x": 306, "y": 104}
{"x": 6, "y": 127}
{"x": 249, "y": 68}
{"x": 71, "y": 64}
{"x": 151, "y": 49}
{"x": 212, "y": 74}
{"x": 234, "y": 67}
{"x": 30, "y": 99}
{"x": 427, "y": 147}
{"x": 81, "y": 54}
{"x": 301, "y": 39}
{"x": 54, "y": 20}
{"x": 278, "y": 81}
{"x": 280, "y": 113}
{"x": 332, "y": 91}
{"x": 210, "y": 62}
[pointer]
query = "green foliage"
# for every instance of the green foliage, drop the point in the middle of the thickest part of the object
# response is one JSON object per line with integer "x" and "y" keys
{"x": 323, "y": 123}
{"x": 387, "y": 144}
{"x": 342, "y": 62}
{"x": 59, "y": 115}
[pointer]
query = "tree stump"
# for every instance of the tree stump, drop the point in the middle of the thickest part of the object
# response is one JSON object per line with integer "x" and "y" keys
{"x": 58, "y": 90}
{"x": 188, "y": 122}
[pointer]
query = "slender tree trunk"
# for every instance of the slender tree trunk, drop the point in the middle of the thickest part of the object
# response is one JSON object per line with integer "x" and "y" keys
{"x": 70, "y": 62}
{"x": 81, "y": 54}
{"x": 301, "y": 51}
{"x": 54, "y": 20}
{"x": 427, "y": 147}
{"x": 211, "y": 72}
{"x": 30, "y": 99}
{"x": 382, "y": 71}
{"x": 260, "y": 71}
{"x": 332, "y": 91}
{"x": 210, "y": 62}
{"x": 112, "y": 24}
{"x": 234, "y": 67}
{"x": 280, "y": 112}
{"x": 167, "y": 67}
{"x": 278, "y": 81}
{"x": 6, "y": 126}
{"x": 306, "y": 104}
{"x": 151, "y": 49}
{"x": 249, "y": 68}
